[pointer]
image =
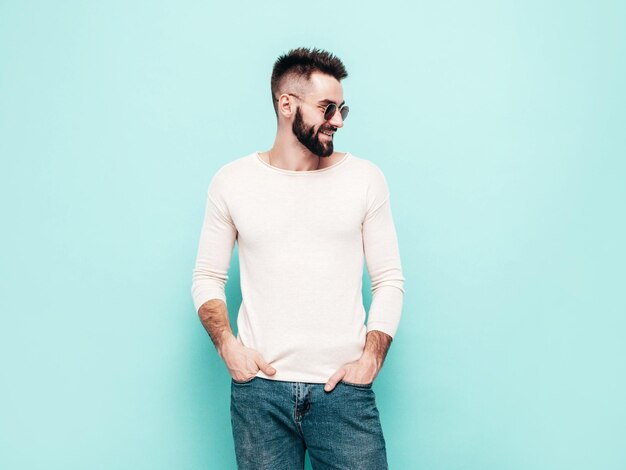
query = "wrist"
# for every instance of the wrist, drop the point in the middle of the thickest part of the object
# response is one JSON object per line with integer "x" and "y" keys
{"x": 370, "y": 359}
{"x": 227, "y": 340}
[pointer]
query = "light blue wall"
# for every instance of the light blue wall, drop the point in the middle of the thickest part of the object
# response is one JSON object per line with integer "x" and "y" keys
{"x": 501, "y": 129}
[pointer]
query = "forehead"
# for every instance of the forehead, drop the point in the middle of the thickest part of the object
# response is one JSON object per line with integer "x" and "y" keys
{"x": 325, "y": 87}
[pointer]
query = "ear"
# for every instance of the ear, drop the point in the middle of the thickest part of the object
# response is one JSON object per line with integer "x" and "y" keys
{"x": 286, "y": 105}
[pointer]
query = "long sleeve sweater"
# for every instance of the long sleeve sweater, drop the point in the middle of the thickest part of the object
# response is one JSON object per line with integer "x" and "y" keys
{"x": 302, "y": 237}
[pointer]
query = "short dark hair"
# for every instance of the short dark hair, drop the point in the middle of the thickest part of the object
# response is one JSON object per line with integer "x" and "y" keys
{"x": 300, "y": 63}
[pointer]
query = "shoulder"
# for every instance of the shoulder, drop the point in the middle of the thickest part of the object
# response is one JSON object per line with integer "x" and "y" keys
{"x": 232, "y": 173}
{"x": 367, "y": 169}
{"x": 373, "y": 181}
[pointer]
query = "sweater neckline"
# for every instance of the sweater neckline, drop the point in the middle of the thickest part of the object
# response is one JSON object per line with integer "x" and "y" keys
{"x": 257, "y": 157}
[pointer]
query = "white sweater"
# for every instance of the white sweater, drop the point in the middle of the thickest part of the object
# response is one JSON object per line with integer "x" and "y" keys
{"x": 303, "y": 237}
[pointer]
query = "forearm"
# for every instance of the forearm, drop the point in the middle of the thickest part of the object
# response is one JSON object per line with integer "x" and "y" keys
{"x": 214, "y": 317}
{"x": 377, "y": 344}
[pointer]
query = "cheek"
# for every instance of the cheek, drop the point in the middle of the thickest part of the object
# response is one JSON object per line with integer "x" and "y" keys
{"x": 313, "y": 121}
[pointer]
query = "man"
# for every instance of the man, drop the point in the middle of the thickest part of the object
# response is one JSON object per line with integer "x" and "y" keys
{"x": 305, "y": 218}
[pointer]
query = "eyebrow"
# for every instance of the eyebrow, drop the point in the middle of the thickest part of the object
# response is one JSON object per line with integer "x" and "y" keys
{"x": 331, "y": 101}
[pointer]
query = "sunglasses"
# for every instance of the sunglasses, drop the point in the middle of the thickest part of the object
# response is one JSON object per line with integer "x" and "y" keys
{"x": 330, "y": 109}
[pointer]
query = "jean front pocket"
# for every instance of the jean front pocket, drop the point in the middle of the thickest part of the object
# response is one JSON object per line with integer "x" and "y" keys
{"x": 350, "y": 384}
{"x": 243, "y": 382}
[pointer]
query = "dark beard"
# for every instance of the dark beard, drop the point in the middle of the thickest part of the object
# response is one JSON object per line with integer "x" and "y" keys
{"x": 309, "y": 138}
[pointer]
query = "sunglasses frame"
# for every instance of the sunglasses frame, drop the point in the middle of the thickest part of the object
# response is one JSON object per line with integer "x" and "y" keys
{"x": 328, "y": 115}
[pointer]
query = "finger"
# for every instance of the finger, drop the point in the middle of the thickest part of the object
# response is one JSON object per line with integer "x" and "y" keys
{"x": 264, "y": 366}
{"x": 334, "y": 379}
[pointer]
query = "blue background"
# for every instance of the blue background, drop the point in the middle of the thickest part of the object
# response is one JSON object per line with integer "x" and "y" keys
{"x": 500, "y": 128}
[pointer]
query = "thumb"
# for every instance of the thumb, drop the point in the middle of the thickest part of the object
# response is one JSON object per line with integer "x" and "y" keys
{"x": 265, "y": 367}
{"x": 334, "y": 379}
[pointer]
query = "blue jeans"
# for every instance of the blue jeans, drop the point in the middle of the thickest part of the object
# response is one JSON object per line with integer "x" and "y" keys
{"x": 274, "y": 422}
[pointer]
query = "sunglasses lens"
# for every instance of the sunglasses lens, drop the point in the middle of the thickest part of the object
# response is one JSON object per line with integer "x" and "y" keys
{"x": 330, "y": 111}
{"x": 344, "y": 112}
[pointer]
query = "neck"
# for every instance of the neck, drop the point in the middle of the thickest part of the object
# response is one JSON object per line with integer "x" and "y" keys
{"x": 294, "y": 161}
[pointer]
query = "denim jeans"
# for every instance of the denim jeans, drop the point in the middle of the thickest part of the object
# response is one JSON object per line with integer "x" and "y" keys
{"x": 274, "y": 422}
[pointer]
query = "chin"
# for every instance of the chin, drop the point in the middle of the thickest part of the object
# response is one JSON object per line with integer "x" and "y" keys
{"x": 327, "y": 151}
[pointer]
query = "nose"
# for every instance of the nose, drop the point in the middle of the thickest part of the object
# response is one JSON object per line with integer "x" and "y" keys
{"x": 336, "y": 120}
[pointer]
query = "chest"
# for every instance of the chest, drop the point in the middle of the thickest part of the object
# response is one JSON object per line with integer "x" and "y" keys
{"x": 301, "y": 210}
